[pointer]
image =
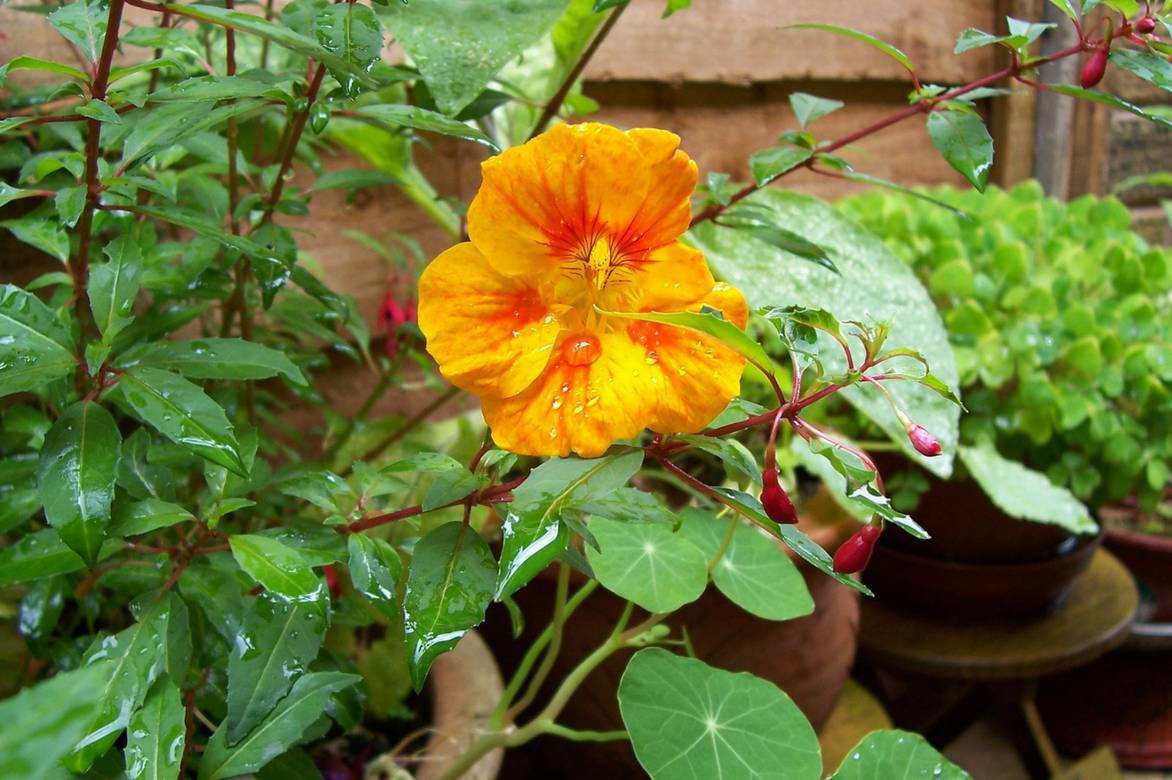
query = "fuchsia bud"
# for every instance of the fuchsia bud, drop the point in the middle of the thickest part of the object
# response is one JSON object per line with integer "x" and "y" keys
{"x": 1145, "y": 26}
{"x": 331, "y": 575}
{"x": 924, "y": 442}
{"x": 1093, "y": 70}
{"x": 773, "y": 497}
{"x": 393, "y": 316}
{"x": 853, "y": 554}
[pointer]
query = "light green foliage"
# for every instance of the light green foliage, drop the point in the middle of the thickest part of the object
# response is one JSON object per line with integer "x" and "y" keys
{"x": 1059, "y": 319}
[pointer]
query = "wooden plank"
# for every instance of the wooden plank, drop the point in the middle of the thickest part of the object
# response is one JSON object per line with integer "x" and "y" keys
{"x": 738, "y": 41}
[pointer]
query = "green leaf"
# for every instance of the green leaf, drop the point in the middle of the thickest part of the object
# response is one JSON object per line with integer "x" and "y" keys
{"x": 159, "y": 128}
{"x": 214, "y": 358}
{"x": 353, "y": 179}
{"x": 24, "y": 62}
{"x": 870, "y": 40}
{"x": 183, "y": 413}
{"x": 399, "y": 115}
{"x": 874, "y": 285}
{"x": 808, "y": 108}
{"x": 35, "y": 348}
{"x": 689, "y": 721}
{"x": 76, "y": 476}
{"x": 533, "y": 533}
{"x": 69, "y": 203}
{"x": 156, "y": 736}
{"x": 83, "y": 23}
{"x": 283, "y": 728}
{"x": 772, "y": 235}
{"x": 135, "y": 661}
{"x": 209, "y": 89}
{"x": 1024, "y": 493}
{"x": 730, "y": 451}
{"x": 651, "y": 564}
{"x": 875, "y": 181}
{"x": 114, "y": 285}
{"x": 353, "y": 33}
{"x": 964, "y": 141}
{"x": 375, "y": 569}
{"x": 1109, "y": 100}
{"x": 101, "y": 111}
{"x": 767, "y": 164}
{"x": 43, "y": 722}
{"x": 674, "y": 6}
{"x": 36, "y": 556}
{"x": 886, "y": 754}
{"x": 44, "y": 234}
{"x": 459, "y": 45}
{"x": 278, "y": 34}
{"x": 1067, "y": 7}
{"x": 972, "y": 38}
{"x": 1150, "y": 67}
{"x": 277, "y": 642}
{"x": 449, "y": 586}
{"x": 279, "y": 568}
{"x": 753, "y": 571}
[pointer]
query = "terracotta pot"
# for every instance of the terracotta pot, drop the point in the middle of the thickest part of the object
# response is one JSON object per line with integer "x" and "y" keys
{"x": 1149, "y": 557}
{"x": 809, "y": 658}
{"x": 465, "y": 685}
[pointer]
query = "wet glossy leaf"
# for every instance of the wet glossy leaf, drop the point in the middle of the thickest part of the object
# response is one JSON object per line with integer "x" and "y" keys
{"x": 24, "y": 62}
{"x": 135, "y": 659}
{"x": 730, "y": 451}
{"x": 158, "y": 128}
{"x": 215, "y": 358}
{"x": 449, "y": 586}
{"x": 689, "y": 721}
{"x": 1024, "y": 493}
{"x": 279, "y": 568}
{"x": 208, "y": 89}
{"x": 884, "y": 754}
{"x": 459, "y": 45}
{"x": 1150, "y": 67}
{"x": 83, "y": 23}
{"x": 753, "y": 570}
{"x": 41, "y": 608}
{"x": 43, "y": 722}
{"x": 280, "y": 730}
{"x": 34, "y": 348}
{"x": 1110, "y": 100}
{"x": 37, "y": 555}
{"x": 533, "y": 533}
{"x": 321, "y": 488}
{"x": 75, "y": 476}
{"x": 767, "y": 164}
{"x": 183, "y": 413}
{"x": 114, "y": 285}
{"x": 258, "y": 249}
{"x": 45, "y": 235}
{"x": 964, "y": 141}
{"x": 276, "y": 644}
{"x": 141, "y": 517}
{"x": 69, "y": 203}
{"x": 648, "y": 563}
{"x": 399, "y": 115}
{"x": 156, "y": 735}
{"x": 874, "y": 286}
{"x": 375, "y": 569}
{"x": 353, "y": 33}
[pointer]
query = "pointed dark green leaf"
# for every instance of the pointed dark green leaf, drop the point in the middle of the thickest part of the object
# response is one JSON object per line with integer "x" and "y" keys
{"x": 862, "y": 37}
{"x": 46, "y": 235}
{"x": 35, "y": 556}
{"x": 83, "y": 23}
{"x": 353, "y": 33}
{"x": 375, "y": 569}
{"x": 1110, "y": 100}
{"x": 279, "y": 568}
{"x": 963, "y": 139}
{"x": 400, "y": 115}
{"x": 1150, "y": 67}
{"x": 76, "y": 476}
{"x": 141, "y": 517}
{"x": 807, "y": 108}
{"x": 183, "y": 413}
{"x": 156, "y": 736}
{"x": 891, "y": 753}
{"x": 214, "y": 358}
{"x": 276, "y": 644}
{"x": 114, "y": 285}
{"x": 767, "y": 164}
{"x": 449, "y": 586}
{"x": 34, "y": 347}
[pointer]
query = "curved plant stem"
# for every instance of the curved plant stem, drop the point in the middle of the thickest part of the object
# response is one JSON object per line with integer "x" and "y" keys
{"x": 554, "y": 646}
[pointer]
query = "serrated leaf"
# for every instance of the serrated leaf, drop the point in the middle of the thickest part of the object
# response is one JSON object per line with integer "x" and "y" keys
{"x": 964, "y": 141}
{"x": 215, "y": 358}
{"x": 449, "y": 586}
{"x": 753, "y": 570}
{"x": 353, "y": 33}
{"x": 75, "y": 476}
{"x": 34, "y": 348}
{"x": 281, "y": 569}
{"x": 276, "y": 643}
{"x": 650, "y": 564}
{"x": 891, "y": 753}
{"x": 1024, "y": 493}
{"x": 689, "y": 721}
{"x": 283, "y": 728}
{"x": 183, "y": 413}
{"x": 83, "y": 23}
{"x": 157, "y": 734}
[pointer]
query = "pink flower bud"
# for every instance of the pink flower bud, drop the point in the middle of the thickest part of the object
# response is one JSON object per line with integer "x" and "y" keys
{"x": 924, "y": 442}
{"x": 773, "y": 497}
{"x": 1145, "y": 26}
{"x": 853, "y": 554}
{"x": 393, "y": 316}
{"x": 1093, "y": 70}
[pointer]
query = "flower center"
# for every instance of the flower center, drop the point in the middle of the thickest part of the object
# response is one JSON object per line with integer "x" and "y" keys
{"x": 600, "y": 261}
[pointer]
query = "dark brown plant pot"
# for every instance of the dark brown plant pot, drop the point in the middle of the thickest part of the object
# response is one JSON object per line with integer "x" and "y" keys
{"x": 1149, "y": 558}
{"x": 808, "y": 658}
{"x": 1123, "y": 700}
{"x": 982, "y": 590}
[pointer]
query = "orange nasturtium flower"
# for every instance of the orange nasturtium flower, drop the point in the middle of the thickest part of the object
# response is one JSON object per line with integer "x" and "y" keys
{"x": 581, "y": 216}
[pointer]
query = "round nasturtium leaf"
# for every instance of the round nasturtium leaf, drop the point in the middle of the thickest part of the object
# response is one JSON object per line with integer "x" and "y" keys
{"x": 649, "y": 563}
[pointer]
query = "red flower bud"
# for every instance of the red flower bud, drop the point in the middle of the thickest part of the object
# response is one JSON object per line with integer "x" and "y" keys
{"x": 393, "y": 316}
{"x": 331, "y": 575}
{"x": 1093, "y": 70}
{"x": 924, "y": 442}
{"x": 773, "y": 497}
{"x": 853, "y": 554}
{"x": 1145, "y": 26}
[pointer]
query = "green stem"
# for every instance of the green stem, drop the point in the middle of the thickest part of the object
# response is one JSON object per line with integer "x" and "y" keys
{"x": 580, "y": 735}
{"x": 551, "y": 653}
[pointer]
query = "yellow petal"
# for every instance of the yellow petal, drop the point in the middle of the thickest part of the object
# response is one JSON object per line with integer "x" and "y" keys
{"x": 489, "y": 333}
{"x": 592, "y": 393}
{"x": 672, "y": 278}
